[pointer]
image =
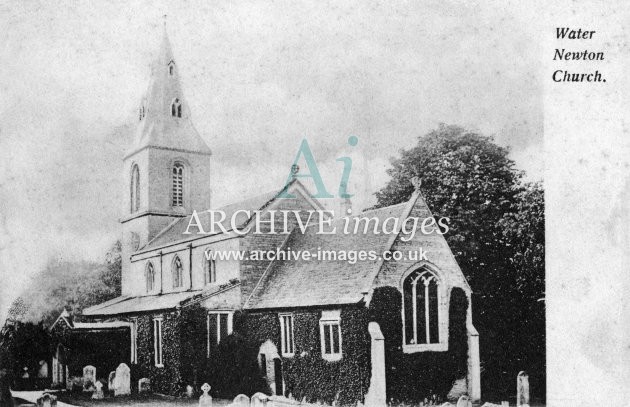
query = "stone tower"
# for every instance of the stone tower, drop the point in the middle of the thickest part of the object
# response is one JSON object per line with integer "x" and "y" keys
{"x": 166, "y": 172}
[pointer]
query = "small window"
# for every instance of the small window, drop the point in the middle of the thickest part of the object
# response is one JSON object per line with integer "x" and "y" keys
{"x": 286, "y": 334}
{"x": 178, "y": 184}
{"x": 330, "y": 333}
{"x": 176, "y": 108}
{"x": 209, "y": 269}
{"x": 219, "y": 327}
{"x": 150, "y": 277}
{"x": 157, "y": 342}
{"x": 171, "y": 69}
{"x": 178, "y": 272}
{"x": 135, "y": 189}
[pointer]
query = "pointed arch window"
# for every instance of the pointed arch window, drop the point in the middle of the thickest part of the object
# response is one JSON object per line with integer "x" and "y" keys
{"x": 178, "y": 272}
{"x": 421, "y": 301}
{"x": 209, "y": 268}
{"x": 176, "y": 108}
{"x": 150, "y": 277}
{"x": 135, "y": 189}
{"x": 178, "y": 184}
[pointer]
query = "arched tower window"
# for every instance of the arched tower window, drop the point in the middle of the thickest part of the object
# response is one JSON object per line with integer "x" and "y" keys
{"x": 176, "y": 108}
{"x": 135, "y": 189}
{"x": 420, "y": 304}
{"x": 171, "y": 69}
{"x": 150, "y": 277}
{"x": 178, "y": 184}
{"x": 178, "y": 272}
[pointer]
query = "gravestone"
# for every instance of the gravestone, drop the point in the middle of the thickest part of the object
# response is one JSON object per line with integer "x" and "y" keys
{"x": 241, "y": 401}
{"x": 47, "y": 400}
{"x": 259, "y": 400}
{"x": 205, "y": 400}
{"x": 189, "y": 391}
{"x": 144, "y": 385}
{"x": 43, "y": 369}
{"x": 522, "y": 389}
{"x": 98, "y": 393}
{"x": 122, "y": 381}
{"x": 111, "y": 384}
{"x": 89, "y": 375}
{"x": 464, "y": 401}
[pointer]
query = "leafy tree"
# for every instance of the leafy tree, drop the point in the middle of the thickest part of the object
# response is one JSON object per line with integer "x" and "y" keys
{"x": 497, "y": 236}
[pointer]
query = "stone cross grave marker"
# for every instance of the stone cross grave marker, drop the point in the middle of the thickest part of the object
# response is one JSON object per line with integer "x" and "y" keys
{"x": 122, "y": 381}
{"x": 259, "y": 400}
{"x": 522, "y": 389}
{"x": 241, "y": 401}
{"x": 98, "y": 393}
{"x": 205, "y": 400}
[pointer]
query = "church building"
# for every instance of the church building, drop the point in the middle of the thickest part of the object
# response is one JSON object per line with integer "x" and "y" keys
{"x": 331, "y": 330}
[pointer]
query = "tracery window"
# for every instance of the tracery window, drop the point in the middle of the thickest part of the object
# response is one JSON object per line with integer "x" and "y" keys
{"x": 421, "y": 308}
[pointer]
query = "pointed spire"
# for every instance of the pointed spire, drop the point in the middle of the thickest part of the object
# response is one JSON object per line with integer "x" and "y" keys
{"x": 164, "y": 119}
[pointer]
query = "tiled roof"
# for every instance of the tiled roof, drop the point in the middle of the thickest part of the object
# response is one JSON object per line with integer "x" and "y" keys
{"x": 309, "y": 283}
{"x": 175, "y": 231}
{"x": 126, "y": 305}
{"x": 129, "y": 305}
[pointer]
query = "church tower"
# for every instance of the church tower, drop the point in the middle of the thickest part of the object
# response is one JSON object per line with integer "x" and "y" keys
{"x": 166, "y": 172}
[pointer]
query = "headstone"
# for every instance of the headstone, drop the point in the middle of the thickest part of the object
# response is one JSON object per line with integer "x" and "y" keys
{"x": 259, "y": 400}
{"x": 43, "y": 369}
{"x": 460, "y": 388}
{"x": 189, "y": 391}
{"x": 144, "y": 385}
{"x": 89, "y": 376}
{"x": 98, "y": 393}
{"x": 122, "y": 381}
{"x": 111, "y": 385}
{"x": 464, "y": 401}
{"x": 522, "y": 390}
{"x": 205, "y": 400}
{"x": 47, "y": 400}
{"x": 241, "y": 401}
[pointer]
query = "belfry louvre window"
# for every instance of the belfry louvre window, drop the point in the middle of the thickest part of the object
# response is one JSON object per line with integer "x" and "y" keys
{"x": 421, "y": 312}
{"x": 157, "y": 342}
{"x": 178, "y": 272}
{"x": 286, "y": 334}
{"x": 150, "y": 277}
{"x": 135, "y": 189}
{"x": 178, "y": 184}
{"x": 330, "y": 334}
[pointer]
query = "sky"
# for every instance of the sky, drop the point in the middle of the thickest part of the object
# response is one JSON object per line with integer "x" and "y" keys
{"x": 259, "y": 77}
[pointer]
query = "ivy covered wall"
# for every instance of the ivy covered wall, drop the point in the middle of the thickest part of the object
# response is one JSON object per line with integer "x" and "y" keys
{"x": 307, "y": 375}
{"x": 411, "y": 377}
{"x": 167, "y": 379}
